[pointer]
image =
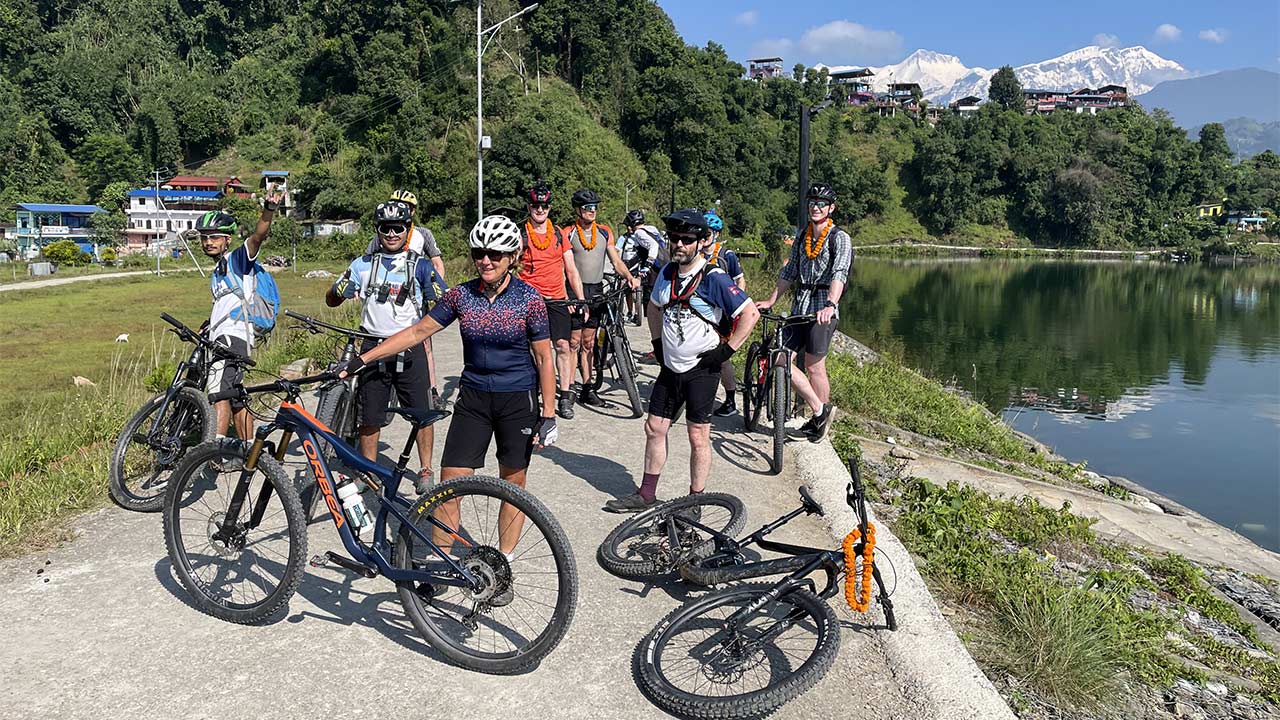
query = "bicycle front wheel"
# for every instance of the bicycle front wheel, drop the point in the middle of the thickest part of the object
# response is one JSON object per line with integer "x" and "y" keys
{"x": 754, "y": 390}
{"x": 780, "y": 390}
{"x": 241, "y": 566}
{"x": 529, "y": 580}
{"x": 625, "y": 365}
{"x": 640, "y": 548}
{"x": 695, "y": 664}
{"x": 151, "y": 445}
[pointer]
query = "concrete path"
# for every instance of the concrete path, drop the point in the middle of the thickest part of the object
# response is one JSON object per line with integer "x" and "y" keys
{"x": 1188, "y": 534}
{"x": 100, "y": 628}
{"x": 53, "y": 282}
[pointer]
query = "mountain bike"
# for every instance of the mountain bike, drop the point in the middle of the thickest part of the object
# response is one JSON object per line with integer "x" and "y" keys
{"x": 154, "y": 440}
{"x": 766, "y": 382}
{"x": 484, "y": 571}
{"x": 613, "y": 347}
{"x": 745, "y": 650}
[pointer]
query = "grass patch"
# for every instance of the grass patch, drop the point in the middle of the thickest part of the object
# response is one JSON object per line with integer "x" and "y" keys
{"x": 1178, "y": 577}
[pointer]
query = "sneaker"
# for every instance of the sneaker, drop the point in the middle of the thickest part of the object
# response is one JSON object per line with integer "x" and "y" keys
{"x": 589, "y": 397}
{"x": 727, "y": 408}
{"x": 438, "y": 402}
{"x": 630, "y": 504}
{"x": 648, "y": 359}
{"x": 564, "y": 406}
{"x": 821, "y": 423}
{"x": 425, "y": 481}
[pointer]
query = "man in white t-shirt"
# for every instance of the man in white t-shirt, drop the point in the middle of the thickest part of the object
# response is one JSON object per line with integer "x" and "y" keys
{"x": 232, "y": 284}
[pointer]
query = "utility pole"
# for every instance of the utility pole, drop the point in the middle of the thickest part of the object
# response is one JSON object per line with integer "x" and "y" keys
{"x": 482, "y": 142}
{"x": 802, "y": 214}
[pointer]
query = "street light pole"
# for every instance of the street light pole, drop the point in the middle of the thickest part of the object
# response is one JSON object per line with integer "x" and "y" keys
{"x": 481, "y": 45}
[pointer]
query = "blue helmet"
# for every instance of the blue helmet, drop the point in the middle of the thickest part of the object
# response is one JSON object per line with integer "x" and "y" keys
{"x": 713, "y": 221}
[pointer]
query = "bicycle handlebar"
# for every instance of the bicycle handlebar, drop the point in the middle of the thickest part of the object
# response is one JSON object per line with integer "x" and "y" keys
{"x": 191, "y": 336}
{"x": 315, "y": 326}
{"x": 281, "y": 385}
{"x": 787, "y": 319}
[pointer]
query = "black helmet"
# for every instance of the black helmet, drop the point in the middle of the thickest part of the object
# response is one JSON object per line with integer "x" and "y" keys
{"x": 539, "y": 192}
{"x": 689, "y": 220}
{"x": 217, "y": 222}
{"x": 821, "y": 191}
{"x": 392, "y": 211}
{"x": 634, "y": 218}
{"x": 585, "y": 197}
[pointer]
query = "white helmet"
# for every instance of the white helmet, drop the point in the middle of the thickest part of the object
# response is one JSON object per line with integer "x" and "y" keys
{"x": 495, "y": 232}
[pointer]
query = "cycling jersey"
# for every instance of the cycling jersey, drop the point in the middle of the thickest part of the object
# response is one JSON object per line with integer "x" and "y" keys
{"x": 726, "y": 260}
{"x": 544, "y": 268}
{"x": 590, "y": 260}
{"x": 421, "y": 241}
{"x": 381, "y": 283}
{"x": 646, "y": 237}
{"x": 497, "y": 336}
{"x": 695, "y": 305}
{"x": 237, "y": 263}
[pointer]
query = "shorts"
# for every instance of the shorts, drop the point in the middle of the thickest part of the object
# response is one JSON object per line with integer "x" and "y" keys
{"x": 223, "y": 377}
{"x": 479, "y": 416}
{"x": 811, "y": 337}
{"x": 412, "y": 383}
{"x": 590, "y": 292}
{"x": 558, "y": 319}
{"x": 695, "y": 388}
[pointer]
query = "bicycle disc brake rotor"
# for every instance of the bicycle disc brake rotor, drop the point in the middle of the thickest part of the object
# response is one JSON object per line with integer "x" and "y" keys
{"x": 225, "y": 543}
{"x": 491, "y": 566}
{"x": 732, "y": 659}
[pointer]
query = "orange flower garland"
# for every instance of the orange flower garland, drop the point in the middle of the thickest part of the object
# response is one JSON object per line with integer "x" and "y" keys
{"x": 809, "y": 248}
{"x": 714, "y": 255}
{"x": 857, "y": 586}
{"x": 534, "y": 238}
{"x": 582, "y": 237}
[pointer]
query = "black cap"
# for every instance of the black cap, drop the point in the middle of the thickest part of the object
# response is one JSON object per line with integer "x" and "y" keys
{"x": 687, "y": 220}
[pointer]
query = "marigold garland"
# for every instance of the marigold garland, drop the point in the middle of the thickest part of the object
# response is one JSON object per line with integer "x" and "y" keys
{"x": 857, "y": 586}
{"x": 582, "y": 237}
{"x": 809, "y": 249}
{"x": 551, "y": 229}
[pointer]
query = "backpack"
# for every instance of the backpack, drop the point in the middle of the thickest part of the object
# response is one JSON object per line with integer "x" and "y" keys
{"x": 410, "y": 289}
{"x": 260, "y": 310}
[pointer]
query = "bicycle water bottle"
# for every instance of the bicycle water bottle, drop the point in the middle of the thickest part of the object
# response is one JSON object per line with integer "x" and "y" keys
{"x": 353, "y": 504}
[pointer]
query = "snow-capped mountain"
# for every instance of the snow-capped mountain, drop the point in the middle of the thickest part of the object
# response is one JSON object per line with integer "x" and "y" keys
{"x": 944, "y": 78}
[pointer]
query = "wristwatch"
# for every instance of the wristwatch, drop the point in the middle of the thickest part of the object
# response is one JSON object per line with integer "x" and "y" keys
{"x": 828, "y": 304}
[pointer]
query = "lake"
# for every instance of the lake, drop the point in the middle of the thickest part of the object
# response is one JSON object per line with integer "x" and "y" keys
{"x": 1166, "y": 374}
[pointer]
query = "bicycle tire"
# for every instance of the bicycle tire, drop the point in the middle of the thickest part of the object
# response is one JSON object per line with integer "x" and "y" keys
{"x": 785, "y": 683}
{"x": 661, "y": 560}
{"x": 750, "y": 388}
{"x": 626, "y": 373}
{"x": 195, "y": 423}
{"x": 189, "y": 489}
{"x": 436, "y": 628}
{"x": 336, "y": 409}
{"x": 780, "y": 382}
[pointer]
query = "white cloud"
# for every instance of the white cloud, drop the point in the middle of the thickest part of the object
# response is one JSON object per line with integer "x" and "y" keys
{"x": 836, "y": 43}
{"x": 1106, "y": 40}
{"x": 1168, "y": 33}
{"x": 1214, "y": 35}
{"x": 747, "y": 18}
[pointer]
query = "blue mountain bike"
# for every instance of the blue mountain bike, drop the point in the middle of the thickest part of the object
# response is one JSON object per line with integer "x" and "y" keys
{"x": 484, "y": 571}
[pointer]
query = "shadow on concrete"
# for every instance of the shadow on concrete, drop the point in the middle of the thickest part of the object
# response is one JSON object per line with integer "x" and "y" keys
{"x": 742, "y": 454}
{"x": 607, "y": 476}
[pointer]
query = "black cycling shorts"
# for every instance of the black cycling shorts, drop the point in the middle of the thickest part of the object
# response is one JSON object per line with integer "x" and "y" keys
{"x": 408, "y": 374}
{"x": 479, "y": 416}
{"x": 811, "y": 337}
{"x": 558, "y": 319}
{"x": 222, "y": 376}
{"x": 695, "y": 388}
{"x": 590, "y": 291}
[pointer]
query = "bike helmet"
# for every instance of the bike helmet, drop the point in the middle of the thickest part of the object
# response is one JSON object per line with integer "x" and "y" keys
{"x": 822, "y": 191}
{"x": 217, "y": 222}
{"x": 714, "y": 223}
{"x": 687, "y": 221}
{"x": 392, "y": 211}
{"x": 634, "y": 218}
{"x": 585, "y": 197}
{"x": 406, "y": 197}
{"x": 495, "y": 232}
{"x": 538, "y": 192}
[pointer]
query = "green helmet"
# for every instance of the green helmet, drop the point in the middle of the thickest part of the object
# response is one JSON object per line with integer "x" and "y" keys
{"x": 217, "y": 222}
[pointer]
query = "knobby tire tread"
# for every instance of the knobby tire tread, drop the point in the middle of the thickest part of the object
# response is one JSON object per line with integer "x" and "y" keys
{"x": 611, "y": 559}
{"x": 120, "y": 494}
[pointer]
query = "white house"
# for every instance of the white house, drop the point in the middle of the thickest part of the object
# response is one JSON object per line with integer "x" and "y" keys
{"x": 153, "y": 214}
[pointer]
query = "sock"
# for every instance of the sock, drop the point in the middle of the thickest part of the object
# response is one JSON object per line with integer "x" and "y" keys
{"x": 695, "y": 492}
{"x": 649, "y": 487}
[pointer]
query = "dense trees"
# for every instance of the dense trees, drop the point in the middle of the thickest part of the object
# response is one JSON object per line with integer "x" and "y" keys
{"x": 1006, "y": 90}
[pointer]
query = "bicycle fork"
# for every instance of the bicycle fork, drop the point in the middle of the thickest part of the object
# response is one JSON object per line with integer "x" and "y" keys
{"x": 230, "y": 532}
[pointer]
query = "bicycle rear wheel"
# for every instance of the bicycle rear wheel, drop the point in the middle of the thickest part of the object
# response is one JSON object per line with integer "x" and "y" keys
{"x": 142, "y": 462}
{"x": 336, "y": 409}
{"x": 640, "y": 547}
{"x": 244, "y": 568}
{"x": 694, "y": 665}
{"x": 528, "y": 595}
{"x": 753, "y": 386}
{"x": 624, "y": 363}
{"x": 780, "y": 390}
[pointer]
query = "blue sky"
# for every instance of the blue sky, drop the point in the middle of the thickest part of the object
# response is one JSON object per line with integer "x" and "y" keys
{"x": 1202, "y": 36}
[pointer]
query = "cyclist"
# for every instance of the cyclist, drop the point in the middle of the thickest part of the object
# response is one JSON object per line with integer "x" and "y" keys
{"x": 507, "y": 368}
{"x": 232, "y": 283}
{"x": 643, "y": 251}
{"x": 691, "y": 305}
{"x": 423, "y": 242}
{"x": 592, "y": 245}
{"x": 821, "y": 258}
{"x": 394, "y": 284}
{"x": 547, "y": 264}
{"x": 727, "y": 260}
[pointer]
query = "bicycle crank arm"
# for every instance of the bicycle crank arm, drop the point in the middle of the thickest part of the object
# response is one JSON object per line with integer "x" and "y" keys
{"x": 345, "y": 563}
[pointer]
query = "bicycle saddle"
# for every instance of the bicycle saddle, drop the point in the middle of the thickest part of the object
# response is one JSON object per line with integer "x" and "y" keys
{"x": 808, "y": 502}
{"x": 420, "y": 418}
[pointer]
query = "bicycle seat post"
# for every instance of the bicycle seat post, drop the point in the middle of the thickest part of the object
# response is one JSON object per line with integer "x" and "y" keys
{"x": 408, "y": 449}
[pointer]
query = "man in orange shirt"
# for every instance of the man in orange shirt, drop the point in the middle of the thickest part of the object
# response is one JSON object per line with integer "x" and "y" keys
{"x": 546, "y": 263}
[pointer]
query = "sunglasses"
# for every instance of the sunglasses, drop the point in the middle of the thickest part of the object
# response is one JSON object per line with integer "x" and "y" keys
{"x": 539, "y": 206}
{"x": 589, "y": 208}
{"x": 684, "y": 239}
{"x": 820, "y": 204}
{"x": 392, "y": 229}
{"x": 478, "y": 254}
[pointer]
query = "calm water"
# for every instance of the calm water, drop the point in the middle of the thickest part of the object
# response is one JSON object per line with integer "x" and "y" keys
{"x": 1166, "y": 374}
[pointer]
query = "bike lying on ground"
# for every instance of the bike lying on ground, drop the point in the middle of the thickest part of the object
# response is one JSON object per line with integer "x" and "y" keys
{"x": 484, "y": 571}
{"x": 766, "y": 382}
{"x": 745, "y": 650}
{"x": 154, "y": 440}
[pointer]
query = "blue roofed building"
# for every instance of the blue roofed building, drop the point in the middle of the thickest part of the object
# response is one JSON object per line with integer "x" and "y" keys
{"x": 39, "y": 224}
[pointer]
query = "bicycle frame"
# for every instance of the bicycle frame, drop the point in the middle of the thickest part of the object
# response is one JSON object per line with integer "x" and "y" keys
{"x": 293, "y": 419}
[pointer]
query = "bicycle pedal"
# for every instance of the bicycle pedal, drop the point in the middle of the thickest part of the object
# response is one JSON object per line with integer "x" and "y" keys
{"x": 317, "y": 561}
